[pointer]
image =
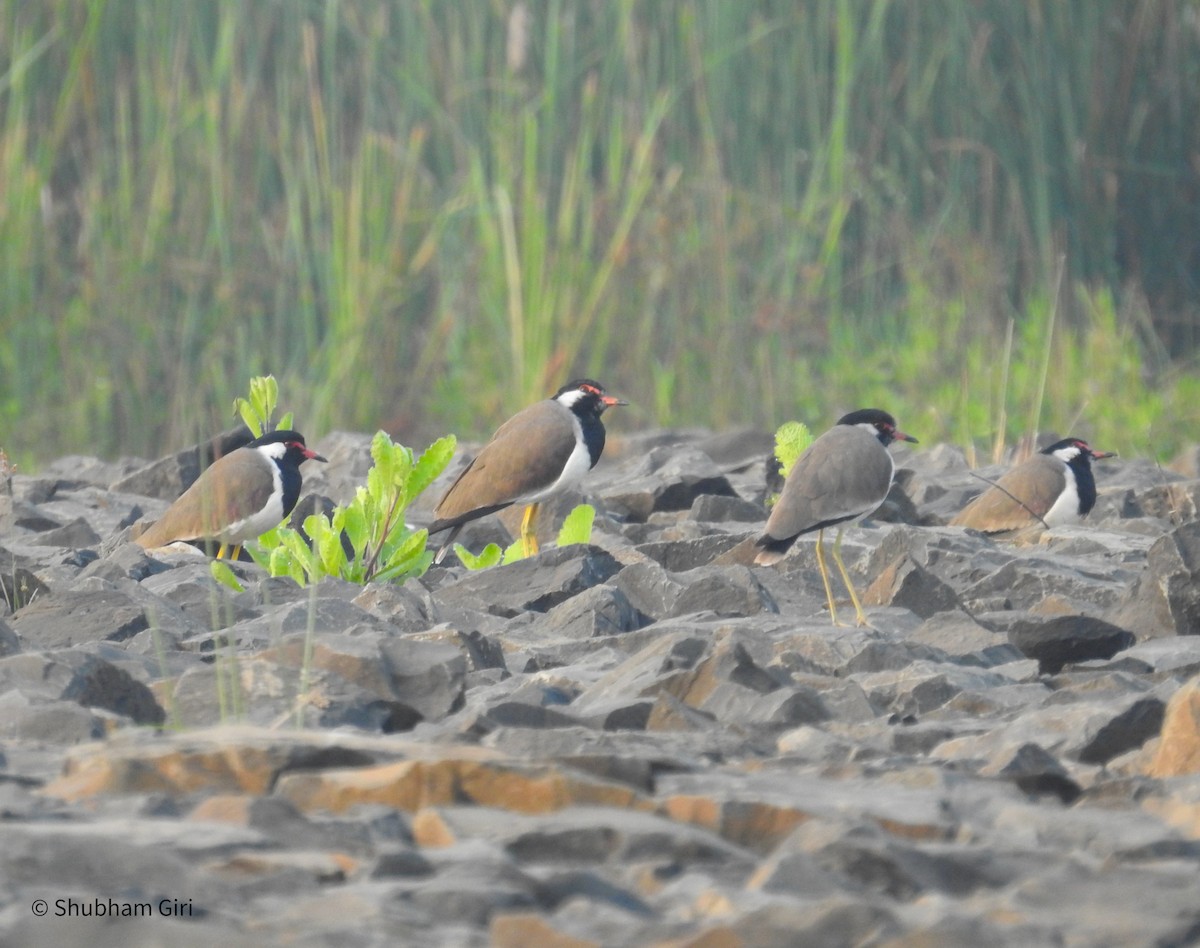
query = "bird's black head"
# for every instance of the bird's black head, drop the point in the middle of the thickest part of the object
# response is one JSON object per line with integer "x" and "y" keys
{"x": 586, "y": 398}
{"x": 1076, "y": 452}
{"x": 292, "y": 448}
{"x": 879, "y": 423}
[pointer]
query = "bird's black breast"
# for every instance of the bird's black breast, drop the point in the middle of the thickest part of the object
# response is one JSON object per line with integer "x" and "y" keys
{"x": 593, "y": 437}
{"x": 289, "y": 478}
{"x": 1085, "y": 484}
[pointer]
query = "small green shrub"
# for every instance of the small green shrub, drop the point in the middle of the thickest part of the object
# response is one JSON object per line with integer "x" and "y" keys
{"x": 792, "y": 439}
{"x": 382, "y": 546}
{"x": 576, "y": 528}
{"x": 256, "y": 411}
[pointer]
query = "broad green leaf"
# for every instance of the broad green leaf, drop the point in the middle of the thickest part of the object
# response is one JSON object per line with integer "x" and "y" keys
{"x": 489, "y": 556}
{"x": 224, "y": 575}
{"x": 286, "y": 421}
{"x": 248, "y": 416}
{"x": 430, "y": 464}
{"x": 513, "y": 553}
{"x": 577, "y": 526}
{"x": 409, "y": 547}
{"x": 354, "y": 522}
{"x": 792, "y": 438}
{"x": 413, "y": 566}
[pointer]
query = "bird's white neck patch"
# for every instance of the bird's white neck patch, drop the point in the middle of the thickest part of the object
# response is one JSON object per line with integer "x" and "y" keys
{"x": 1068, "y": 454}
{"x": 276, "y": 449}
{"x": 571, "y": 398}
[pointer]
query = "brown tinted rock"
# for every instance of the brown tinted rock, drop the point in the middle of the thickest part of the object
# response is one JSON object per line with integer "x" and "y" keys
{"x": 1179, "y": 743}
{"x": 225, "y": 759}
{"x": 467, "y": 777}
{"x": 522, "y": 929}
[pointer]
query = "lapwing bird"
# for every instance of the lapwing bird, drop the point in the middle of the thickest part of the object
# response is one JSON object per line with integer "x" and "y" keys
{"x": 1052, "y": 488}
{"x": 541, "y": 451}
{"x": 844, "y": 475}
{"x": 242, "y": 495}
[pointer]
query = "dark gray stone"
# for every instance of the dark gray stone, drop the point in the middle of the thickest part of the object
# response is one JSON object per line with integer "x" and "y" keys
{"x": 1166, "y": 598}
{"x": 665, "y": 480}
{"x": 78, "y": 534}
{"x": 1061, "y": 640}
{"x": 728, "y": 592}
{"x": 10, "y": 644}
{"x": 536, "y": 584}
{"x": 1129, "y": 729}
{"x": 83, "y": 678}
{"x": 1035, "y": 771}
{"x": 169, "y": 477}
{"x": 599, "y": 611}
{"x": 719, "y": 508}
{"x": 677, "y": 556}
{"x": 908, "y": 585}
{"x": 649, "y": 588}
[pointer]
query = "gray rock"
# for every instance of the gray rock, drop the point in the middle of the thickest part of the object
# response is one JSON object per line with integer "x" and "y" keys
{"x": 600, "y": 611}
{"x": 9, "y": 643}
{"x": 649, "y": 588}
{"x": 1035, "y": 771}
{"x": 908, "y": 585}
{"x": 681, "y": 555}
{"x": 1061, "y": 640}
{"x": 75, "y": 617}
{"x": 169, "y": 477}
{"x": 665, "y": 480}
{"x": 83, "y": 678}
{"x": 1166, "y": 599}
{"x": 535, "y": 584}
{"x": 364, "y": 680}
{"x": 720, "y": 508}
{"x": 77, "y": 534}
{"x": 728, "y": 592}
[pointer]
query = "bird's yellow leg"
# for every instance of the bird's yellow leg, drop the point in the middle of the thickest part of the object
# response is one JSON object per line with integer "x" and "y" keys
{"x": 221, "y": 551}
{"x": 529, "y": 541}
{"x": 837, "y": 558}
{"x": 824, "y": 571}
{"x": 235, "y": 551}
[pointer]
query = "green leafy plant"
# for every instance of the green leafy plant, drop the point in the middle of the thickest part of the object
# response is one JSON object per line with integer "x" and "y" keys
{"x": 792, "y": 438}
{"x": 576, "y": 528}
{"x": 256, "y": 411}
{"x": 382, "y": 546}
{"x": 224, "y": 575}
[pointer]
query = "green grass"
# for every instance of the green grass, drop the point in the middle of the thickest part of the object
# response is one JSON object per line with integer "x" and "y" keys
{"x": 422, "y": 215}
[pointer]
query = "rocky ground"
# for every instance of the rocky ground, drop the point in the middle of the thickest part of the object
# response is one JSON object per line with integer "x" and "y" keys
{"x": 619, "y": 744}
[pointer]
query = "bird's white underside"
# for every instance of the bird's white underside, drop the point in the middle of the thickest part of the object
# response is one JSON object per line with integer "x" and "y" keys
{"x": 1066, "y": 508}
{"x": 271, "y": 515}
{"x": 578, "y": 464}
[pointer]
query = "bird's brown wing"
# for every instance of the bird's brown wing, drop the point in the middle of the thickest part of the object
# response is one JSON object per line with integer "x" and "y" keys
{"x": 838, "y": 478}
{"x": 234, "y": 487}
{"x": 1029, "y": 491}
{"x": 525, "y": 455}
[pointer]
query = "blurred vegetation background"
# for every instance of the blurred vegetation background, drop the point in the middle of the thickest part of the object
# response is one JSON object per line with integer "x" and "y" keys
{"x": 983, "y": 216}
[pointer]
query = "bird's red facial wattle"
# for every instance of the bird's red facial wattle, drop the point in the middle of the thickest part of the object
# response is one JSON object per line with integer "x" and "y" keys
{"x": 896, "y": 434}
{"x": 309, "y": 453}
